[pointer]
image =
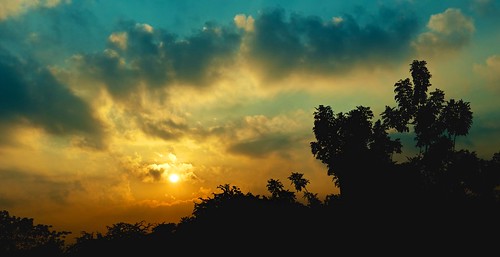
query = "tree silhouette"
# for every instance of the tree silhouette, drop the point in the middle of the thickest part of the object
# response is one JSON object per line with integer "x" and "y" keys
{"x": 278, "y": 191}
{"x": 21, "y": 237}
{"x": 358, "y": 152}
{"x": 421, "y": 82}
{"x": 430, "y": 115}
{"x": 121, "y": 238}
{"x": 457, "y": 118}
{"x": 300, "y": 183}
{"x": 436, "y": 124}
{"x": 354, "y": 149}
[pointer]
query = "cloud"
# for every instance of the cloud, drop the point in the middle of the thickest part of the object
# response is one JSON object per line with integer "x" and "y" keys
{"x": 148, "y": 119}
{"x": 31, "y": 96}
{"x": 164, "y": 128}
{"x": 243, "y": 22}
{"x": 119, "y": 39}
{"x": 262, "y": 146}
{"x": 52, "y": 34}
{"x": 17, "y": 7}
{"x": 260, "y": 136}
{"x": 139, "y": 55}
{"x": 18, "y": 187}
{"x": 279, "y": 46}
{"x": 141, "y": 62}
{"x": 158, "y": 171}
{"x": 490, "y": 70}
{"x": 448, "y": 33}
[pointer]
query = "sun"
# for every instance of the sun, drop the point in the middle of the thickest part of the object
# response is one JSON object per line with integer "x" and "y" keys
{"x": 174, "y": 178}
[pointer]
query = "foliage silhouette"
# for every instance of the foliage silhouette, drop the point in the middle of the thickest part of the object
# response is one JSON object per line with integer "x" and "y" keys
{"x": 21, "y": 237}
{"x": 300, "y": 183}
{"x": 355, "y": 151}
{"x": 124, "y": 239}
{"x": 430, "y": 115}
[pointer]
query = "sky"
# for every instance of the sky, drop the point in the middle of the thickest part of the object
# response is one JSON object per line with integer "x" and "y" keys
{"x": 101, "y": 101}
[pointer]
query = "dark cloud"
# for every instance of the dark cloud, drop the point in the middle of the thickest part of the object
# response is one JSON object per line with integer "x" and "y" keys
{"x": 154, "y": 174}
{"x": 52, "y": 34}
{"x": 28, "y": 184}
{"x": 155, "y": 58}
{"x": 30, "y": 95}
{"x": 210, "y": 47}
{"x": 263, "y": 146}
{"x": 166, "y": 129}
{"x": 280, "y": 46}
{"x": 139, "y": 55}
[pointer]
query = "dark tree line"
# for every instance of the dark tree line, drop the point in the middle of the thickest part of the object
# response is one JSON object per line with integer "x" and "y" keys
{"x": 442, "y": 200}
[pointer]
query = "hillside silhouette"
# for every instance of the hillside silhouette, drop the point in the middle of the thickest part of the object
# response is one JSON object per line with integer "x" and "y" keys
{"x": 443, "y": 200}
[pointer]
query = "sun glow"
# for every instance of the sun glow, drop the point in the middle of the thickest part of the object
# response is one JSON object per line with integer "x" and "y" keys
{"x": 174, "y": 178}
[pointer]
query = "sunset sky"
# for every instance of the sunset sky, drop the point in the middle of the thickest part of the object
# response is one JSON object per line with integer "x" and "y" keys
{"x": 102, "y": 100}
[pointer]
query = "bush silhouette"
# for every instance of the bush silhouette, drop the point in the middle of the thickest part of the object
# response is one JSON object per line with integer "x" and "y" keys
{"x": 21, "y": 237}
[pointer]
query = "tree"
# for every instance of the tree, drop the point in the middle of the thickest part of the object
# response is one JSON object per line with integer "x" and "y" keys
{"x": 457, "y": 118}
{"x": 278, "y": 191}
{"x": 300, "y": 183}
{"x": 358, "y": 153}
{"x": 421, "y": 82}
{"x": 219, "y": 201}
{"x": 120, "y": 239}
{"x": 21, "y": 237}
{"x": 436, "y": 123}
{"x": 123, "y": 230}
{"x": 431, "y": 117}
{"x": 354, "y": 149}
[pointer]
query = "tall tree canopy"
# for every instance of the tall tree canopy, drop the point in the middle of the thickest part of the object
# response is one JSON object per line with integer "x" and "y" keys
{"x": 354, "y": 149}
{"x": 433, "y": 119}
{"x": 358, "y": 152}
